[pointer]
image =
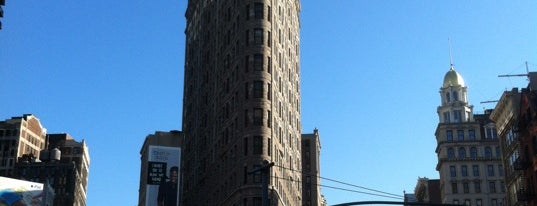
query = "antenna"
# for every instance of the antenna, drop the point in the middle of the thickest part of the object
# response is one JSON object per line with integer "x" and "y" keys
{"x": 490, "y": 101}
{"x": 518, "y": 75}
{"x": 450, "y": 56}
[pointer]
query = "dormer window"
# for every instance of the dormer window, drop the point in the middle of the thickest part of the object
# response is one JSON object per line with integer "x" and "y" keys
{"x": 491, "y": 132}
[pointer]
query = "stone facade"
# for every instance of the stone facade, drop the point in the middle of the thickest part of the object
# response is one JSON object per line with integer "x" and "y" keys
{"x": 311, "y": 170}
{"x": 516, "y": 117}
{"x": 469, "y": 157}
{"x": 64, "y": 166}
{"x": 166, "y": 139}
{"x": 241, "y": 103}
{"x": 19, "y": 136}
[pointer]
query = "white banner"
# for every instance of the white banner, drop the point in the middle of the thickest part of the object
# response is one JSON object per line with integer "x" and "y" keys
{"x": 163, "y": 176}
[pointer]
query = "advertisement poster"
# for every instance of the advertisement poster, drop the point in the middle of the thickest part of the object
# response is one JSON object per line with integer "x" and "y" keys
{"x": 14, "y": 192}
{"x": 163, "y": 176}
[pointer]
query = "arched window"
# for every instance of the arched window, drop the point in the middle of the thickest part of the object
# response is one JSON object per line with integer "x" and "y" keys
{"x": 462, "y": 152}
{"x": 473, "y": 152}
{"x": 448, "y": 98}
{"x": 455, "y": 96}
{"x": 488, "y": 152}
{"x": 451, "y": 153}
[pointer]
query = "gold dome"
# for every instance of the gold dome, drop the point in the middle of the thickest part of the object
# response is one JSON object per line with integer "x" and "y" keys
{"x": 453, "y": 78}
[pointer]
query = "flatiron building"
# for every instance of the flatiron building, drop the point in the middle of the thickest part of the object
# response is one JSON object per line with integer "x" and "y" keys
{"x": 241, "y": 103}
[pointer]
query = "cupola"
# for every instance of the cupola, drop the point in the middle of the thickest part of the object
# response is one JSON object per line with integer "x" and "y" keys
{"x": 453, "y": 78}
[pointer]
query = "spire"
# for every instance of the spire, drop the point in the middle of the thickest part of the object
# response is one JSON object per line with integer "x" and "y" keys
{"x": 450, "y": 56}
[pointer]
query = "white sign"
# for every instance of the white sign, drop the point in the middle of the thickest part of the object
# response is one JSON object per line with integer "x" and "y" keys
{"x": 163, "y": 176}
{"x": 20, "y": 192}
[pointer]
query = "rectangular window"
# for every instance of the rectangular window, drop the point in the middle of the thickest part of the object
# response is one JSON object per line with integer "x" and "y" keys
{"x": 457, "y": 117}
{"x": 471, "y": 134}
{"x": 279, "y": 36}
{"x": 446, "y": 117}
{"x": 258, "y": 62}
{"x": 246, "y": 63}
{"x": 477, "y": 187}
{"x": 257, "y": 175}
{"x": 500, "y": 170}
{"x": 269, "y": 13}
{"x": 479, "y": 202}
{"x": 269, "y": 65}
{"x": 475, "y": 169}
{"x": 491, "y": 133}
{"x": 247, "y": 38}
{"x": 467, "y": 202}
{"x": 452, "y": 171}
{"x": 280, "y": 134}
{"x": 258, "y": 10}
{"x": 258, "y": 145}
{"x": 245, "y": 148}
{"x": 490, "y": 170}
{"x": 466, "y": 187}
{"x": 246, "y": 118}
{"x": 494, "y": 202}
{"x": 248, "y": 12}
{"x": 464, "y": 171}
{"x": 258, "y": 36}
{"x": 258, "y": 89}
{"x": 269, "y": 119}
{"x": 492, "y": 187}
{"x": 246, "y": 90}
{"x": 269, "y": 147}
{"x": 269, "y": 91}
{"x": 460, "y": 135}
{"x": 258, "y": 117}
{"x": 269, "y": 39}
{"x": 257, "y": 201}
{"x": 449, "y": 135}
{"x": 454, "y": 188}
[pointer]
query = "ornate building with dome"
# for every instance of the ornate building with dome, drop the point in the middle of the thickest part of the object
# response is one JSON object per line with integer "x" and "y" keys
{"x": 469, "y": 156}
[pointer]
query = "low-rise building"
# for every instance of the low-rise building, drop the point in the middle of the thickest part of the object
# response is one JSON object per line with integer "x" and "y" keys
{"x": 160, "y": 165}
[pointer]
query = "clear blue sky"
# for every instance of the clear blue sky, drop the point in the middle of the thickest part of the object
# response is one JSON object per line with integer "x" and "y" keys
{"x": 111, "y": 72}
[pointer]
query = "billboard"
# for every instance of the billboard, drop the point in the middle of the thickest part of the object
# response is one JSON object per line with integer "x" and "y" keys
{"x": 14, "y": 192}
{"x": 163, "y": 176}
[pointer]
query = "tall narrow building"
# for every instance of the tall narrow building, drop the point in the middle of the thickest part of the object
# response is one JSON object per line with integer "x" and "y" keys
{"x": 241, "y": 103}
{"x": 311, "y": 170}
{"x": 469, "y": 157}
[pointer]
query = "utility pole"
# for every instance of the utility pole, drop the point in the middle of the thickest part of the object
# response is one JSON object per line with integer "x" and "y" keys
{"x": 265, "y": 171}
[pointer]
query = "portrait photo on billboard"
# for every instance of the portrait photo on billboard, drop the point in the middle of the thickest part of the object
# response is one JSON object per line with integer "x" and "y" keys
{"x": 163, "y": 176}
